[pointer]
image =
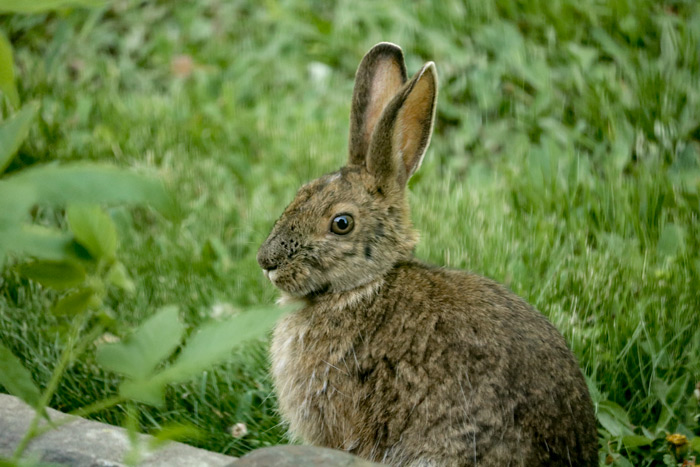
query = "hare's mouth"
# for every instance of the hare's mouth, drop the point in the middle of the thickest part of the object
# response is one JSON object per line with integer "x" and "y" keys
{"x": 296, "y": 284}
{"x": 276, "y": 278}
{"x": 270, "y": 274}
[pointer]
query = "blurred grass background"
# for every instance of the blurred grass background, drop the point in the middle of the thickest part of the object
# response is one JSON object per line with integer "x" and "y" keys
{"x": 565, "y": 163}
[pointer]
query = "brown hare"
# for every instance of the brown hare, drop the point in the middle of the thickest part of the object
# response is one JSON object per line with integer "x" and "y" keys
{"x": 394, "y": 360}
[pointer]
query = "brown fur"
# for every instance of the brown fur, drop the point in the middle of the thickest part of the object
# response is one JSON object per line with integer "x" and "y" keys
{"x": 397, "y": 361}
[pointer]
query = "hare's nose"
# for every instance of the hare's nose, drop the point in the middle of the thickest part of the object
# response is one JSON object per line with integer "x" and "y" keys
{"x": 266, "y": 261}
{"x": 271, "y": 253}
{"x": 277, "y": 250}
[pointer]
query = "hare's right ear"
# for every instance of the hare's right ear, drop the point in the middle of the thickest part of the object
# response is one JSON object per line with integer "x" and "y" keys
{"x": 382, "y": 72}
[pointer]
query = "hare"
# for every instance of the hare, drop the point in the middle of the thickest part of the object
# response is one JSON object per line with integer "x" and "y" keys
{"x": 394, "y": 360}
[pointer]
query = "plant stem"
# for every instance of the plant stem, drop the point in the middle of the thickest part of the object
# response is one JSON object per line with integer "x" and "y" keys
{"x": 67, "y": 356}
{"x": 97, "y": 406}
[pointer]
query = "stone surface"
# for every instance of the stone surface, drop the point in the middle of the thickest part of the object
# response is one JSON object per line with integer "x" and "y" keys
{"x": 83, "y": 443}
{"x": 294, "y": 456}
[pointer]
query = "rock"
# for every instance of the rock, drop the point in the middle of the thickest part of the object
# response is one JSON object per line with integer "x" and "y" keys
{"x": 84, "y": 443}
{"x": 294, "y": 456}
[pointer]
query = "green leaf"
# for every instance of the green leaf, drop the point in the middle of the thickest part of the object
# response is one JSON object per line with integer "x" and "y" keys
{"x": 622, "y": 462}
{"x": 41, "y": 6}
{"x": 665, "y": 418}
{"x": 208, "y": 346}
{"x": 56, "y": 185}
{"x": 139, "y": 354}
{"x": 614, "y": 419}
{"x": 57, "y": 275}
{"x": 91, "y": 183}
{"x": 7, "y": 73}
{"x": 119, "y": 277}
{"x": 146, "y": 391}
{"x": 621, "y": 144}
{"x": 14, "y": 130}
{"x": 695, "y": 444}
{"x": 15, "y": 201}
{"x": 93, "y": 229}
{"x": 16, "y": 379}
{"x": 214, "y": 341}
{"x": 39, "y": 242}
{"x": 670, "y": 460}
{"x": 75, "y": 303}
{"x": 634, "y": 441}
{"x": 671, "y": 240}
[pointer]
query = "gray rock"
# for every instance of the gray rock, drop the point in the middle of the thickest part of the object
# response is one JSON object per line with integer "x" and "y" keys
{"x": 295, "y": 456}
{"x": 83, "y": 443}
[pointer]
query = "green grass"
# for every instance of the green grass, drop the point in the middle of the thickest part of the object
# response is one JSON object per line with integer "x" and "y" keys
{"x": 565, "y": 163}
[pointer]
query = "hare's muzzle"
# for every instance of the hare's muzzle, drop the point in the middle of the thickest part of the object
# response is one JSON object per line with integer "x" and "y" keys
{"x": 269, "y": 258}
{"x": 273, "y": 253}
{"x": 266, "y": 262}
{"x": 270, "y": 274}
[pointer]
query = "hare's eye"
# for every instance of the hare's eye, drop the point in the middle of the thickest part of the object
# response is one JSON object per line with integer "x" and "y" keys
{"x": 342, "y": 224}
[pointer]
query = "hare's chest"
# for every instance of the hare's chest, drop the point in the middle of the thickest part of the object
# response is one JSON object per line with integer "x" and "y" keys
{"x": 317, "y": 385}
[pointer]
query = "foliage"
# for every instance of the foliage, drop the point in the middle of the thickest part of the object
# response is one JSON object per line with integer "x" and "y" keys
{"x": 138, "y": 357}
{"x": 83, "y": 264}
{"x": 565, "y": 163}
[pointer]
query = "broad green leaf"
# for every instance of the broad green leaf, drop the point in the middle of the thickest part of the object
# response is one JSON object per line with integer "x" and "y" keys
{"x": 614, "y": 419}
{"x": 211, "y": 344}
{"x": 54, "y": 274}
{"x": 665, "y": 418}
{"x": 139, "y": 354}
{"x": 39, "y": 242}
{"x": 7, "y": 72}
{"x": 623, "y": 462}
{"x": 695, "y": 444}
{"x": 75, "y": 303}
{"x": 634, "y": 441}
{"x": 621, "y": 145}
{"x": 16, "y": 379}
{"x": 671, "y": 240}
{"x": 14, "y": 131}
{"x": 146, "y": 391}
{"x": 15, "y": 201}
{"x": 648, "y": 433}
{"x": 41, "y": 6}
{"x": 611, "y": 47}
{"x": 671, "y": 394}
{"x": 118, "y": 276}
{"x": 93, "y": 229}
{"x": 91, "y": 183}
{"x": 214, "y": 341}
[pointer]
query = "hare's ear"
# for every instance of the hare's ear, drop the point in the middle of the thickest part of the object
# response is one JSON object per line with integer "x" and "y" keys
{"x": 379, "y": 77}
{"x": 403, "y": 133}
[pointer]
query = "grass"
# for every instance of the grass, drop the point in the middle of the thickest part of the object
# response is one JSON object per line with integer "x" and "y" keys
{"x": 565, "y": 163}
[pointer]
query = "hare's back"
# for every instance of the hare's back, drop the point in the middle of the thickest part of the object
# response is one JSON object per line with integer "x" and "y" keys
{"x": 471, "y": 313}
{"x": 481, "y": 363}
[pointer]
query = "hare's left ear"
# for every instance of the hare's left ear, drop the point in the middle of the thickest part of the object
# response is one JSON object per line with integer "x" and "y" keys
{"x": 379, "y": 77}
{"x": 403, "y": 133}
